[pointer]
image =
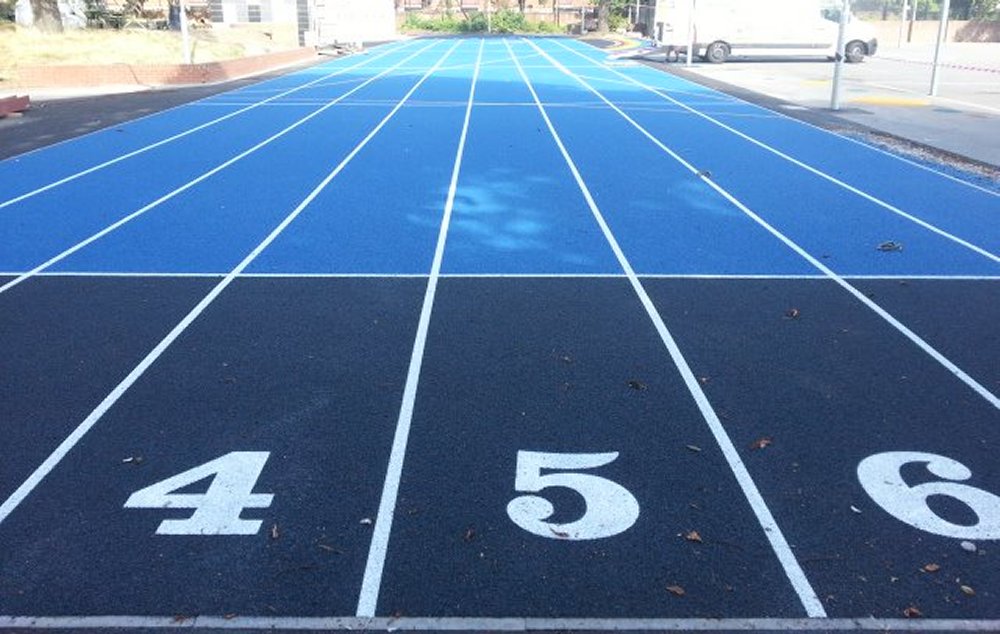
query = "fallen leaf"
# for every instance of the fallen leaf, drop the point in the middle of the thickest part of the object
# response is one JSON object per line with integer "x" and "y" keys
{"x": 636, "y": 385}
{"x": 931, "y": 568}
{"x": 890, "y": 245}
{"x": 912, "y": 612}
{"x": 180, "y": 618}
{"x": 760, "y": 443}
{"x": 677, "y": 591}
{"x": 693, "y": 536}
{"x": 967, "y": 591}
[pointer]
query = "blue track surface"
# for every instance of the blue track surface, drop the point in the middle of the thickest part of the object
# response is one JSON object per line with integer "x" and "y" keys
{"x": 390, "y": 278}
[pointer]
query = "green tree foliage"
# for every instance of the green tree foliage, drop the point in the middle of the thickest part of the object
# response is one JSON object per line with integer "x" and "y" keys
{"x": 7, "y": 10}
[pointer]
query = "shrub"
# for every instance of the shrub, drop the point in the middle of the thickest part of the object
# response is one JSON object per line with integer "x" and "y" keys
{"x": 7, "y": 10}
{"x": 509, "y": 21}
{"x": 476, "y": 24}
{"x": 443, "y": 24}
{"x": 617, "y": 22}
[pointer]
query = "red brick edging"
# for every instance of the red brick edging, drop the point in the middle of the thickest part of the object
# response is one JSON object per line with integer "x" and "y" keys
{"x": 10, "y": 105}
{"x": 79, "y": 75}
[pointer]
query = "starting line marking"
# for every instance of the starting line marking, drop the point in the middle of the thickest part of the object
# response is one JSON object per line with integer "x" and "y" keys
{"x": 511, "y": 624}
{"x": 544, "y": 276}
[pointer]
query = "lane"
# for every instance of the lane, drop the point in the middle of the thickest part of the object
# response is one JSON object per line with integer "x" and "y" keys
{"x": 566, "y": 367}
{"x": 954, "y": 206}
{"x": 831, "y": 222}
{"x": 809, "y": 398}
{"x": 382, "y": 215}
{"x": 209, "y": 223}
{"x": 309, "y": 372}
{"x": 37, "y": 476}
{"x": 667, "y": 220}
{"x": 25, "y": 173}
{"x": 817, "y": 262}
{"x": 516, "y": 210}
{"x": 958, "y": 317}
{"x": 66, "y": 343}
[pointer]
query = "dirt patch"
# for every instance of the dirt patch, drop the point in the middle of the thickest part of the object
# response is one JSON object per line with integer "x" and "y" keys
{"x": 26, "y": 47}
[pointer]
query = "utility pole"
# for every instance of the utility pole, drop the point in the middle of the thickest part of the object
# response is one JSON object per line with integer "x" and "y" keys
{"x": 902, "y": 23}
{"x": 845, "y": 11}
{"x": 942, "y": 34}
{"x": 185, "y": 40}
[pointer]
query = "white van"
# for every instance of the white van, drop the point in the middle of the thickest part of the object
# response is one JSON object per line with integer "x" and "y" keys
{"x": 723, "y": 28}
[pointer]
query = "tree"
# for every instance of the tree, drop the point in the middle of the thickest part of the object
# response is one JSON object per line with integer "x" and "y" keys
{"x": 603, "y": 11}
{"x": 46, "y": 16}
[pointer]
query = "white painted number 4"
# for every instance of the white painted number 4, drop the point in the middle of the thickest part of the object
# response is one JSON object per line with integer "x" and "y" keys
{"x": 611, "y": 509}
{"x": 881, "y": 477}
{"x": 217, "y": 510}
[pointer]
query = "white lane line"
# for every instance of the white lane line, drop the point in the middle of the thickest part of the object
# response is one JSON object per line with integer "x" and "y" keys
{"x": 818, "y": 128}
{"x": 864, "y": 299}
{"x": 868, "y": 146}
{"x": 119, "y": 159}
{"x": 188, "y": 185}
{"x": 26, "y": 487}
{"x": 371, "y": 585}
{"x": 473, "y": 276}
{"x": 498, "y": 624}
{"x": 809, "y": 168}
{"x": 796, "y": 576}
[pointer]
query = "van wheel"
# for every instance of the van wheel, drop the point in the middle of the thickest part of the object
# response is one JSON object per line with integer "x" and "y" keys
{"x": 855, "y": 51}
{"x": 717, "y": 52}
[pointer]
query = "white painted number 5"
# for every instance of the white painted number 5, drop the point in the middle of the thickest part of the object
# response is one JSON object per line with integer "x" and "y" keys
{"x": 217, "y": 510}
{"x": 611, "y": 509}
{"x": 880, "y": 476}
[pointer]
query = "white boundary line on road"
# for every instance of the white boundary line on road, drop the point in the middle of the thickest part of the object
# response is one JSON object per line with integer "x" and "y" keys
{"x": 50, "y": 463}
{"x": 372, "y": 583}
{"x": 204, "y": 176}
{"x": 497, "y": 624}
{"x": 187, "y": 132}
{"x": 980, "y": 389}
{"x": 792, "y": 569}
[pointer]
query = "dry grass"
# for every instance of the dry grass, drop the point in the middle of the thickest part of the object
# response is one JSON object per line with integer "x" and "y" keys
{"x": 23, "y": 47}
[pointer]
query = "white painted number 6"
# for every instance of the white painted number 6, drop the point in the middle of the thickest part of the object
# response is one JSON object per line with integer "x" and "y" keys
{"x": 881, "y": 478}
{"x": 611, "y": 509}
{"x": 217, "y": 510}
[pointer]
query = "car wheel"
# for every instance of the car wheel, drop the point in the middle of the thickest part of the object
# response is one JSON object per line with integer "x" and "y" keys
{"x": 855, "y": 51}
{"x": 717, "y": 52}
